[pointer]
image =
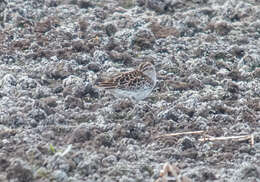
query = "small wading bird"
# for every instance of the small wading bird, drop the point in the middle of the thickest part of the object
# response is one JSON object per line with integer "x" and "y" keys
{"x": 135, "y": 85}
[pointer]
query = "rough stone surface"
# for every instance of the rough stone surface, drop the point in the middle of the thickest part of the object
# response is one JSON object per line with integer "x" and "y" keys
{"x": 55, "y": 125}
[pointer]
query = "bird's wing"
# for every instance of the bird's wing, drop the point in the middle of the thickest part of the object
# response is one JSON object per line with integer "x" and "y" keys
{"x": 120, "y": 80}
{"x": 126, "y": 81}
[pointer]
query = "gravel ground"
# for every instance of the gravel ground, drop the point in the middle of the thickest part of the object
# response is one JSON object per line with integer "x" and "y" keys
{"x": 55, "y": 125}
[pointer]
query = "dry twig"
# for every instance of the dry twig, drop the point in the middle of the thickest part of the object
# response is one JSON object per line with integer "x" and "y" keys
{"x": 236, "y": 138}
{"x": 181, "y": 133}
{"x": 211, "y": 138}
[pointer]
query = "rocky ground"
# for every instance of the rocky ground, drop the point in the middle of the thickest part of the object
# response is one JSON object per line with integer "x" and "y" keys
{"x": 56, "y": 126}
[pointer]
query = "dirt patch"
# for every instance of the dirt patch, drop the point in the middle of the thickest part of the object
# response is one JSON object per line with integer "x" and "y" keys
{"x": 55, "y": 125}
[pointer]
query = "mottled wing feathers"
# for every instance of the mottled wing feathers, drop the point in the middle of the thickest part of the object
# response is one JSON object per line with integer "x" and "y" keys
{"x": 127, "y": 81}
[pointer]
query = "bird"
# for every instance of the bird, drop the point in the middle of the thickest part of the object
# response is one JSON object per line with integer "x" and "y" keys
{"x": 135, "y": 85}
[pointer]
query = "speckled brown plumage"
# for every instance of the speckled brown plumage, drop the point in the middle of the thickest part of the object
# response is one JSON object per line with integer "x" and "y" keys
{"x": 141, "y": 79}
{"x": 127, "y": 81}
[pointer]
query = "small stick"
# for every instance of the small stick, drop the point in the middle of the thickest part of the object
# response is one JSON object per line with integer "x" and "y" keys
{"x": 210, "y": 138}
{"x": 252, "y": 140}
{"x": 239, "y": 138}
{"x": 181, "y": 133}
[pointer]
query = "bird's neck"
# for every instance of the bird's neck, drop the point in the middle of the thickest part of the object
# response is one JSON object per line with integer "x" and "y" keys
{"x": 151, "y": 75}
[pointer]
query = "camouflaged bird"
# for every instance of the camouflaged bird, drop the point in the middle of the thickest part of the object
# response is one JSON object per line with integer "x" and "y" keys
{"x": 137, "y": 84}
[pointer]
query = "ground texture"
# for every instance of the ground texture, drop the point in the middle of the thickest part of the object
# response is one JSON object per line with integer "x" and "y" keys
{"x": 56, "y": 126}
